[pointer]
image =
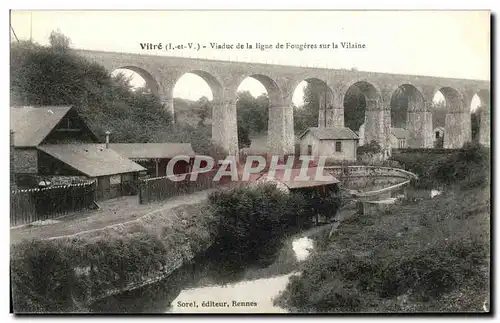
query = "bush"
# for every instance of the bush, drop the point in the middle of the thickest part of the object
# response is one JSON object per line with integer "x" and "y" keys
{"x": 373, "y": 147}
{"x": 252, "y": 221}
{"x": 42, "y": 278}
{"x": 468, "y": 166}
{"x": 427, "y": 251}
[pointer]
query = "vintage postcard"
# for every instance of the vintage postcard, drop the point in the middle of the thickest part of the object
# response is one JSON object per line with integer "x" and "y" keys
{"x": 279, "y": 161}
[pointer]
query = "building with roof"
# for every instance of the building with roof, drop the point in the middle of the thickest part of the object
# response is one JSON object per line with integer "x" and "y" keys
{"x": 399, "y": 138}
{"x": 438, "y": 132}
{"x": 438, "y": 137}
{"x": 55, "y": 143}
{"x": 156, "y": 156}
{"x": 334, "y": 143}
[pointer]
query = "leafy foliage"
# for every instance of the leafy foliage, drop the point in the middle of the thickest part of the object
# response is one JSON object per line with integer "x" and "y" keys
{"x": 252, "y": 221}
{"x": 372, "y": 147}
{"x": 253, "y": 113}
{"x": 475, "y": 125}
{"x": 393, "y": 261}
{"x": 468, "y": 166}
{"x": 54, "y": 75}
{"x": 439, "y": 112}
{"x": 307, "y": 115}
{"x": 354, "y": 108}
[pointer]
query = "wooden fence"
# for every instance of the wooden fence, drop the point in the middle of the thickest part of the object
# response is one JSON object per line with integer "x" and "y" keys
{"x": 126, "y": 188}
{"x": 38, "y": 204}
{"x": 162, "y": 188}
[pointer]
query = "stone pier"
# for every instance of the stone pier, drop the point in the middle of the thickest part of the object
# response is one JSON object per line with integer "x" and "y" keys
{"x": 374, "y": 123}
{"x": 457, "y": 129}
{"x": 224, "y": 126}
{"x": 419, "y": 124}
{"x": 280, "y": 137}
{"x": 484, "y": 126}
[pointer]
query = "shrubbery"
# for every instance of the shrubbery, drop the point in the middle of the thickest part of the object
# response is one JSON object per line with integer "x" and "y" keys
{"x": 371, "y": 264}
{"x": 468, "y": 166}
{"x": 247, "y": 226}
{"x": 253, "y": 221}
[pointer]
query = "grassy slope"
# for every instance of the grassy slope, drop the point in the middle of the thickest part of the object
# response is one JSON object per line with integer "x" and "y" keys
{"x": 43, "y": 276}
{"x": 429, "y": 255}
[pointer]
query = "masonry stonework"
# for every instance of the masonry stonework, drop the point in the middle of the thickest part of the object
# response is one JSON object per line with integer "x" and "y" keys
{"x": 162, "y": 72}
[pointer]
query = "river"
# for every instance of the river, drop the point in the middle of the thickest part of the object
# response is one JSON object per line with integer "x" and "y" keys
{"x": 206, "y": 286}
{"x": 209, "y": 286}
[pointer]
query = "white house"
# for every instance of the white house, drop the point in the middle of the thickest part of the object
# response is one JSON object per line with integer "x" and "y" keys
{"x": 333, "y": 143}
{"x": 438, "y": 132}
{"x": 399, "y": 138}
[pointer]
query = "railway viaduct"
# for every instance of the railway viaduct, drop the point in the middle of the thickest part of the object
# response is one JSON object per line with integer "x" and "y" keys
{"x": 162, "y": 72}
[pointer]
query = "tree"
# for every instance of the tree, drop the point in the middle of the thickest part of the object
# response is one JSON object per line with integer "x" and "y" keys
{"x": 399, "y": 108}
{"x": 439, "y": 142}
{"x": 204, "y": 110}
{"x": 307, "y": 115}
{"x": 243, "y": 136}
{"x": 253, "y": 113}
{"x": 372, "y": 147}
{"x": 55, "y": 75}
{"x": 59, "y": 42}
{"x": 438, "y": 114}
{"x": 475, "y": 125}
{"x": 354, "y": 108}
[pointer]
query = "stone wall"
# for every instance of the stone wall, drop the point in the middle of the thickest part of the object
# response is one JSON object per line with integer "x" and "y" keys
{"x": 26, "y": 160}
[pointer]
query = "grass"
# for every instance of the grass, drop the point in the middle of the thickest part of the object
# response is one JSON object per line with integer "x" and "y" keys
{"x": 423, "y": 255}
{"x": 112, "y": 212}
{"x": 45, "y": 273}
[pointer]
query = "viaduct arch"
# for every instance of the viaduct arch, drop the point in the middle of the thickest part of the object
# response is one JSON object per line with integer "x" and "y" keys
{"x": 162, "y": 72}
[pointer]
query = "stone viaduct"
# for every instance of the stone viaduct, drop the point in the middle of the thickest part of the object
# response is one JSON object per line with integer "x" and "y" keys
{"x": 162, "y": 72}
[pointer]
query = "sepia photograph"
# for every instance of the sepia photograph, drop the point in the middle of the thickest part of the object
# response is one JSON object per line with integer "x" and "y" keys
{"x": 250, "y": 161}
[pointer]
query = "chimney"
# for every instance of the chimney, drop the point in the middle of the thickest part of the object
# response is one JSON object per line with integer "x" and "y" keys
{"x": 107, "y": 139}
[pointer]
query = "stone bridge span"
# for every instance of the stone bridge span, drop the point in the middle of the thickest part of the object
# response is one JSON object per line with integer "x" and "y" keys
{"x": 162, "y": 72}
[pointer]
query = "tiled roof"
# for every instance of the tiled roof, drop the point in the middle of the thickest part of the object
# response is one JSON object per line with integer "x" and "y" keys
{"x": 400, "y": 133}
{"x": 323, "y": 133}
{"x": 92, "y": 160}
{"x": 152, "y": 150}
{"x": 31, "y": 125}
{"x": 295, "y": 180}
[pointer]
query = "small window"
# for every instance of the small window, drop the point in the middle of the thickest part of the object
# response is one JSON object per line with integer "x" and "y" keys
{"x": 309, "y": 150}
{"x": 115, "y": 179}
{"x": 338, "y": 146}
{"x": 437, "y": 134}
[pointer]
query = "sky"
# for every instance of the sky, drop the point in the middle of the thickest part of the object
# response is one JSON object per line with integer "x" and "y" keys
{"x": 453, "y": 44}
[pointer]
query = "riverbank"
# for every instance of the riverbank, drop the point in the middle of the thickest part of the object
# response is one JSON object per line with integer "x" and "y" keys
{"x": 112, "y": 212}
{"x": 421, "y": 255}
{"x": 239, "y": 228}
{"x": 64, "y": 274}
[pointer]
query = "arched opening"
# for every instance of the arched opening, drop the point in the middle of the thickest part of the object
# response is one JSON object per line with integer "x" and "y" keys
{"x": 312, "y": 104}
{"x": 193, "y": 98}
{"x": 360, "y": 101}
{"x": 479, "y": 110}
{"x": 438, "y": 111}
{"x": 450, "y": 118}
{"x": 255, "y": 95}
{"x": 137, "y": 79}
{"x": 312, "y": 107}
{"x": 194, "y": 95}
{"x": 409, "y": 119}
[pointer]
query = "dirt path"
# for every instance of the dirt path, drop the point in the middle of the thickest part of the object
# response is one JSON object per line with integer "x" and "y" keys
{"x": 114, "y": 211}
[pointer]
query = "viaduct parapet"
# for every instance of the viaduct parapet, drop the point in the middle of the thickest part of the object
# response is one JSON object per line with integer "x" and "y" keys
{"x": 162, "y": 72}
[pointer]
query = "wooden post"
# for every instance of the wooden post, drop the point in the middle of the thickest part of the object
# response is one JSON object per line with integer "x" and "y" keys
{"x": 156, "y": 162}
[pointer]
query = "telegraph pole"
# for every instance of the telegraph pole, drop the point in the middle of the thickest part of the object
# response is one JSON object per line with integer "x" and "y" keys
{"x": 31, "y": 27}
{"x": 14, "y": 33}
